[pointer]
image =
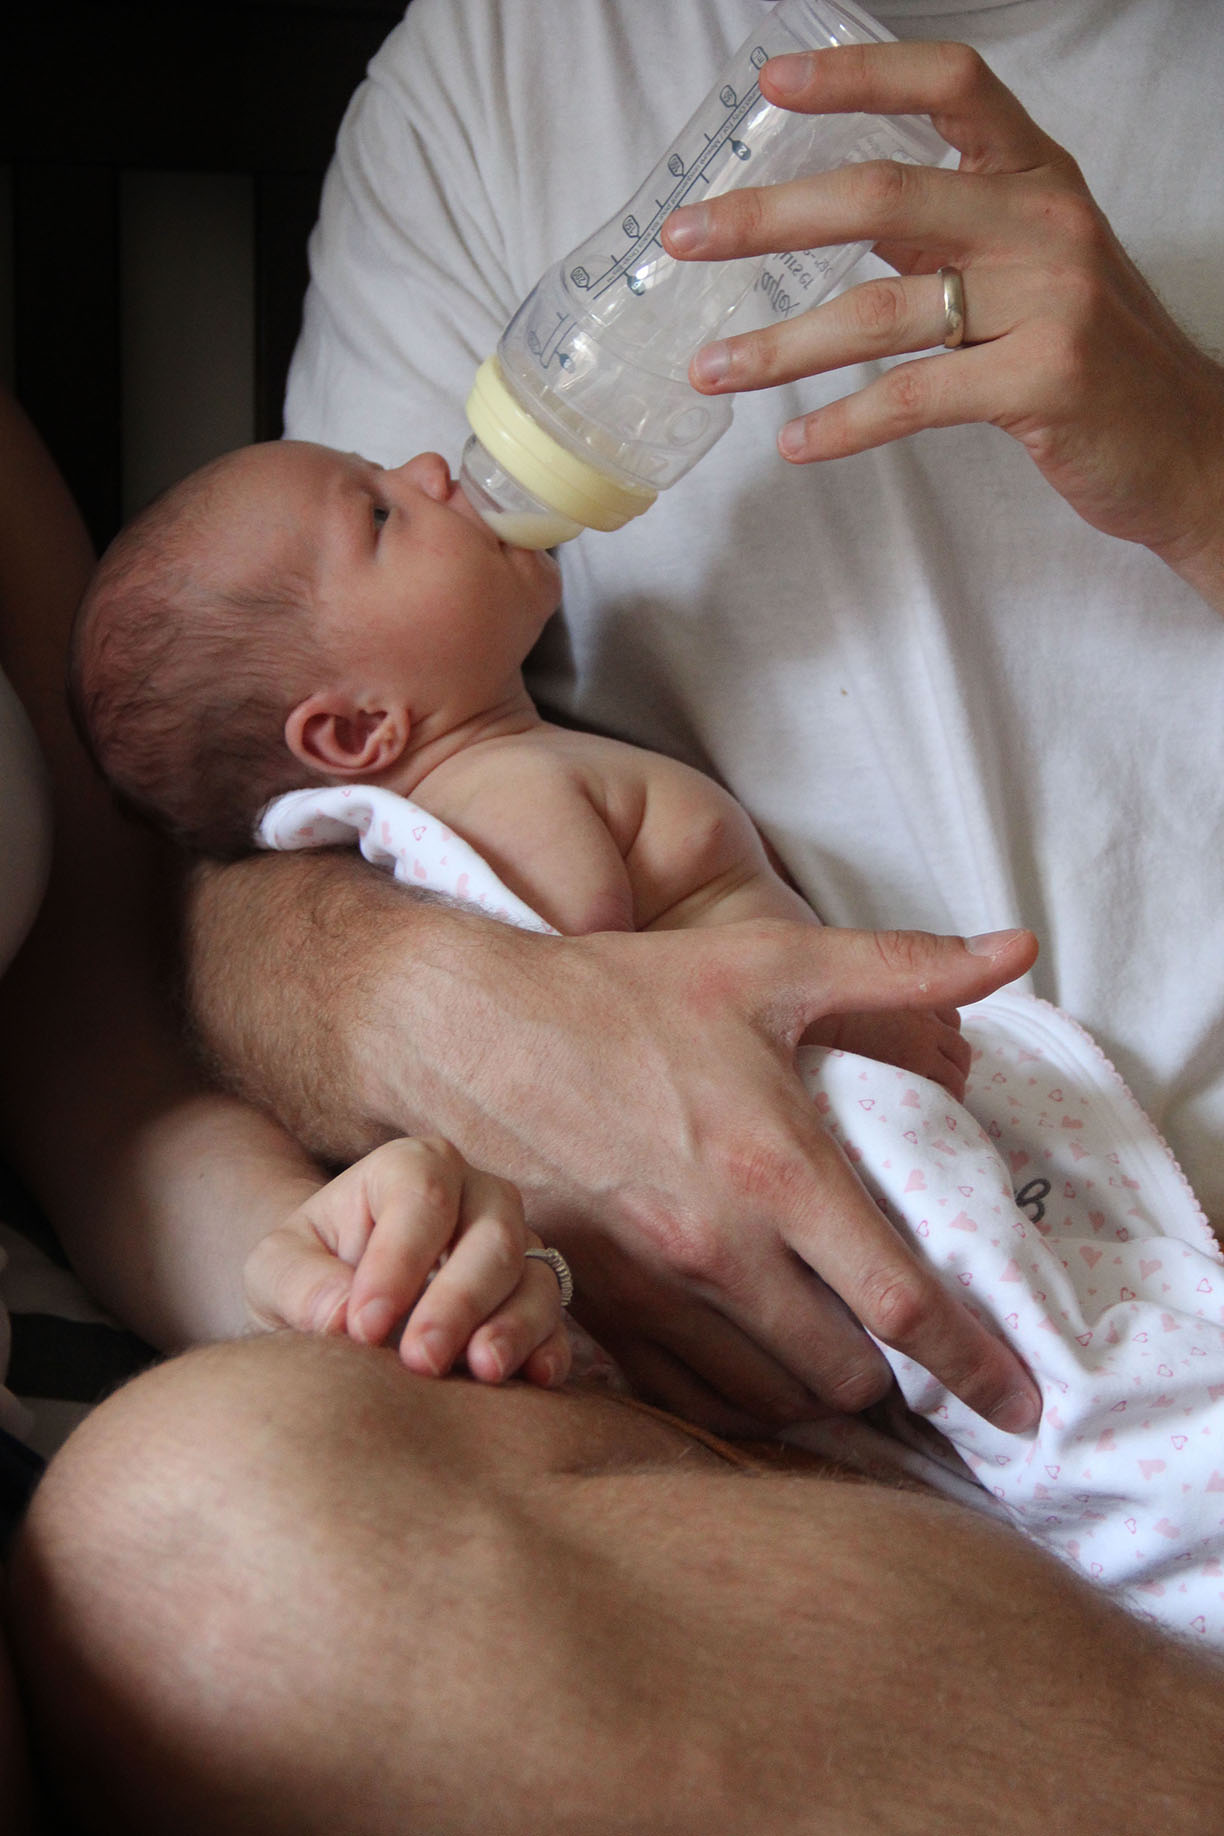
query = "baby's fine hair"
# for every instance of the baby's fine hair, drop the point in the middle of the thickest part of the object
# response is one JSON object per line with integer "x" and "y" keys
{"x": 180, "y": 675}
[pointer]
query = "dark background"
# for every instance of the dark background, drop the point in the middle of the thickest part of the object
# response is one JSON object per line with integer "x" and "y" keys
{"x": 90, "y": 90}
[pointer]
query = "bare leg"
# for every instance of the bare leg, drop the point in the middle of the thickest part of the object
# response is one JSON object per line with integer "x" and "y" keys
{"x": 283, "y": 1586}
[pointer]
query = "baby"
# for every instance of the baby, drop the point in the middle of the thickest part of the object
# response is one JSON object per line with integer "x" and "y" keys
{"x": 295, "y": 616}
{"x": 292, "y": 615}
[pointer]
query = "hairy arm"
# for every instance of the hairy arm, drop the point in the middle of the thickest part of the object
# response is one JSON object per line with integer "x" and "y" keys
{"x": 157, "y": 1186}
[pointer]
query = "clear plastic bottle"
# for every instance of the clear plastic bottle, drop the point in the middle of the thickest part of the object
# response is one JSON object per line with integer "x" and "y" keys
{"x": 585, "y": 413}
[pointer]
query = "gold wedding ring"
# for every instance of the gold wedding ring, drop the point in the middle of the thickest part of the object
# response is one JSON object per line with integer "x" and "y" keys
{"x": 954, "y": 307}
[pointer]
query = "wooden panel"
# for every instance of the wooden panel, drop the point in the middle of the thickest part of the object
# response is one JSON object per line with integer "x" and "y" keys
{"x": 187, "y": 324}
{"x": 66, "y": 326}
{"x": 89, "y": 88}
{"x": 219, "y": 87}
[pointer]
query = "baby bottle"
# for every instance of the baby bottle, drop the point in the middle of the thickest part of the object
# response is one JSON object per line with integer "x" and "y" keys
{"x": 585, "y": 412}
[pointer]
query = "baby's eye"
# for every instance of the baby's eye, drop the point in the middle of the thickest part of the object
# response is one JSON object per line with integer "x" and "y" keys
{"x": 381, "y": 513}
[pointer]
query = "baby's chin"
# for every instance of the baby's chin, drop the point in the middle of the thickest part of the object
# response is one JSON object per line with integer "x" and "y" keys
{"x": 540, "y": 561}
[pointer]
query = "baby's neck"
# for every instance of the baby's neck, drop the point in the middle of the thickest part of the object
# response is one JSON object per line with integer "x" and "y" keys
{"x": 440, "y": 741}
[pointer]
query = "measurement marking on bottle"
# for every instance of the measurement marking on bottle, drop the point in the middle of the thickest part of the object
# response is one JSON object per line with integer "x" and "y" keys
{"x": 688, "y": 178}
{"x": 643, "y": 237}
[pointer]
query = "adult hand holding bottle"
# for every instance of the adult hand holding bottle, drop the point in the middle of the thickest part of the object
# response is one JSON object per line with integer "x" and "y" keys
{"x": 1063, "y": 344}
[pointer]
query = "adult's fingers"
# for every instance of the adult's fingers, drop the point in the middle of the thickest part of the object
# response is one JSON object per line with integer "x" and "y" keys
{"x": 685, "y": 1355}
{"x": 549, "y": 1364}
{"x": 834, "y": 1226}
{"x": 925, "y": 392}
{"x": 975, "y": 112}
{"x": 881, "y": 201}
{"x": 905, "y": 1305}
{"x": 528, "y": 1322}
{"x": 659, "y": 1377}
{"x": 887, "y": 317}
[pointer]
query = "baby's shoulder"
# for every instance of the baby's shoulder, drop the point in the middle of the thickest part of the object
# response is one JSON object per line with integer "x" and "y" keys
{"x": 545, "y": 768}
{"x": 596, "y": 759}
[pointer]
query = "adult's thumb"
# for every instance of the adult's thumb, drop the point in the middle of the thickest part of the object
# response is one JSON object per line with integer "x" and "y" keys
{"x": 864, "y": 970}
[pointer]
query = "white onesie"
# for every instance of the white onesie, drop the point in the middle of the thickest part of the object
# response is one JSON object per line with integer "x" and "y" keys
{"x": 1050, "y": 1205}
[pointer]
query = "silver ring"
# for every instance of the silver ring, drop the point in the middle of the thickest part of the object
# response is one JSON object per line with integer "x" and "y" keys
{"x": 954, "y": 307}
{"x": 560, "y": 1268}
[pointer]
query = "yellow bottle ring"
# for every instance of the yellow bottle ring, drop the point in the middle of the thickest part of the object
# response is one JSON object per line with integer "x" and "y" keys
{"x": 542, "y": 465}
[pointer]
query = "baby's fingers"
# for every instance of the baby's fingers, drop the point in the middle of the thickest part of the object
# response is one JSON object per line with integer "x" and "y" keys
{"x": 483, "y": 1269}
{"x": 293, "y": 1280}
{"x": 417, "y": 1191}
{"x": 526, "y": 1335}
{"x": 549, "y": 1365}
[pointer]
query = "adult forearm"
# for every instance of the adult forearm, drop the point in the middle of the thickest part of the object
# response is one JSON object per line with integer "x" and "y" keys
{"x": 156, "y": 1186}
{"x": 312, "y": 1046}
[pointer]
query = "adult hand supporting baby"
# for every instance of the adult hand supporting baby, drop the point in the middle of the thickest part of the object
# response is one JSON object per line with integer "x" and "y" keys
{"x": 1066, "y": 347}
{"x": 641, "y": 1091}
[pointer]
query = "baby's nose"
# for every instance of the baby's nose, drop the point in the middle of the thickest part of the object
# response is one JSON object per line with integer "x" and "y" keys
{"x": 427, "y": 472}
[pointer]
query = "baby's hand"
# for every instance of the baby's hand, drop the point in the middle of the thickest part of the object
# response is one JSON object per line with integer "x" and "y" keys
{"x": 358, "y": 1257}
{"x": 926, "y": 1040}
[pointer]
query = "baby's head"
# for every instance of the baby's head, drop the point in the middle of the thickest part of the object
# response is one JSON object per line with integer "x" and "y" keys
{"x": 291, "y": 615}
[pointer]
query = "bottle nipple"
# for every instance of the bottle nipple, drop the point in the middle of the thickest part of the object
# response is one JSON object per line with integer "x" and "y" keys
{"x": 511, "y": 512}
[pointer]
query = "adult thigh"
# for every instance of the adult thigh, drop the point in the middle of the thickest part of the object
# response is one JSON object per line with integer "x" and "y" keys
{"x": 284, "y": 1586}
{"x": 245, "y": 1587}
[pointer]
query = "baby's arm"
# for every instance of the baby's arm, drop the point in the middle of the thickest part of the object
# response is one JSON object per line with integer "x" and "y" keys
{"x": 530, "y": 807}
{"x": 697, "y": 859}
{"x": 600, "y": 836}
{"x": 413, "y": 1234}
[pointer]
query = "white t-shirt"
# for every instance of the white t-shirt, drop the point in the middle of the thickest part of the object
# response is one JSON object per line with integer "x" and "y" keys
{"x": 945, "y": 700}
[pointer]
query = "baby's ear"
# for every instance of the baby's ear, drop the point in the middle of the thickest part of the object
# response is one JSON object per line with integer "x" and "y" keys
{"x": 330, "y": 734}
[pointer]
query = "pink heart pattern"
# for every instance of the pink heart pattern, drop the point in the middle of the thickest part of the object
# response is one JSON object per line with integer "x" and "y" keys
{"x": 1120, "y": 1314}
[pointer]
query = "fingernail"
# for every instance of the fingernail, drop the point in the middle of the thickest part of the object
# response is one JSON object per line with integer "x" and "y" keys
{"x": 495, "y": 1356}
{"x": 989, "y": 943}
{"x": 711, "y": 364}
{"x": 790, "y": 73}
{"x": 431, "y": 1343}
{"x": 374, "y": 1321}
{"x": 792, "y": 441}
{"x": 1017, "y": 1412}
{"x": 687, "y": 228}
